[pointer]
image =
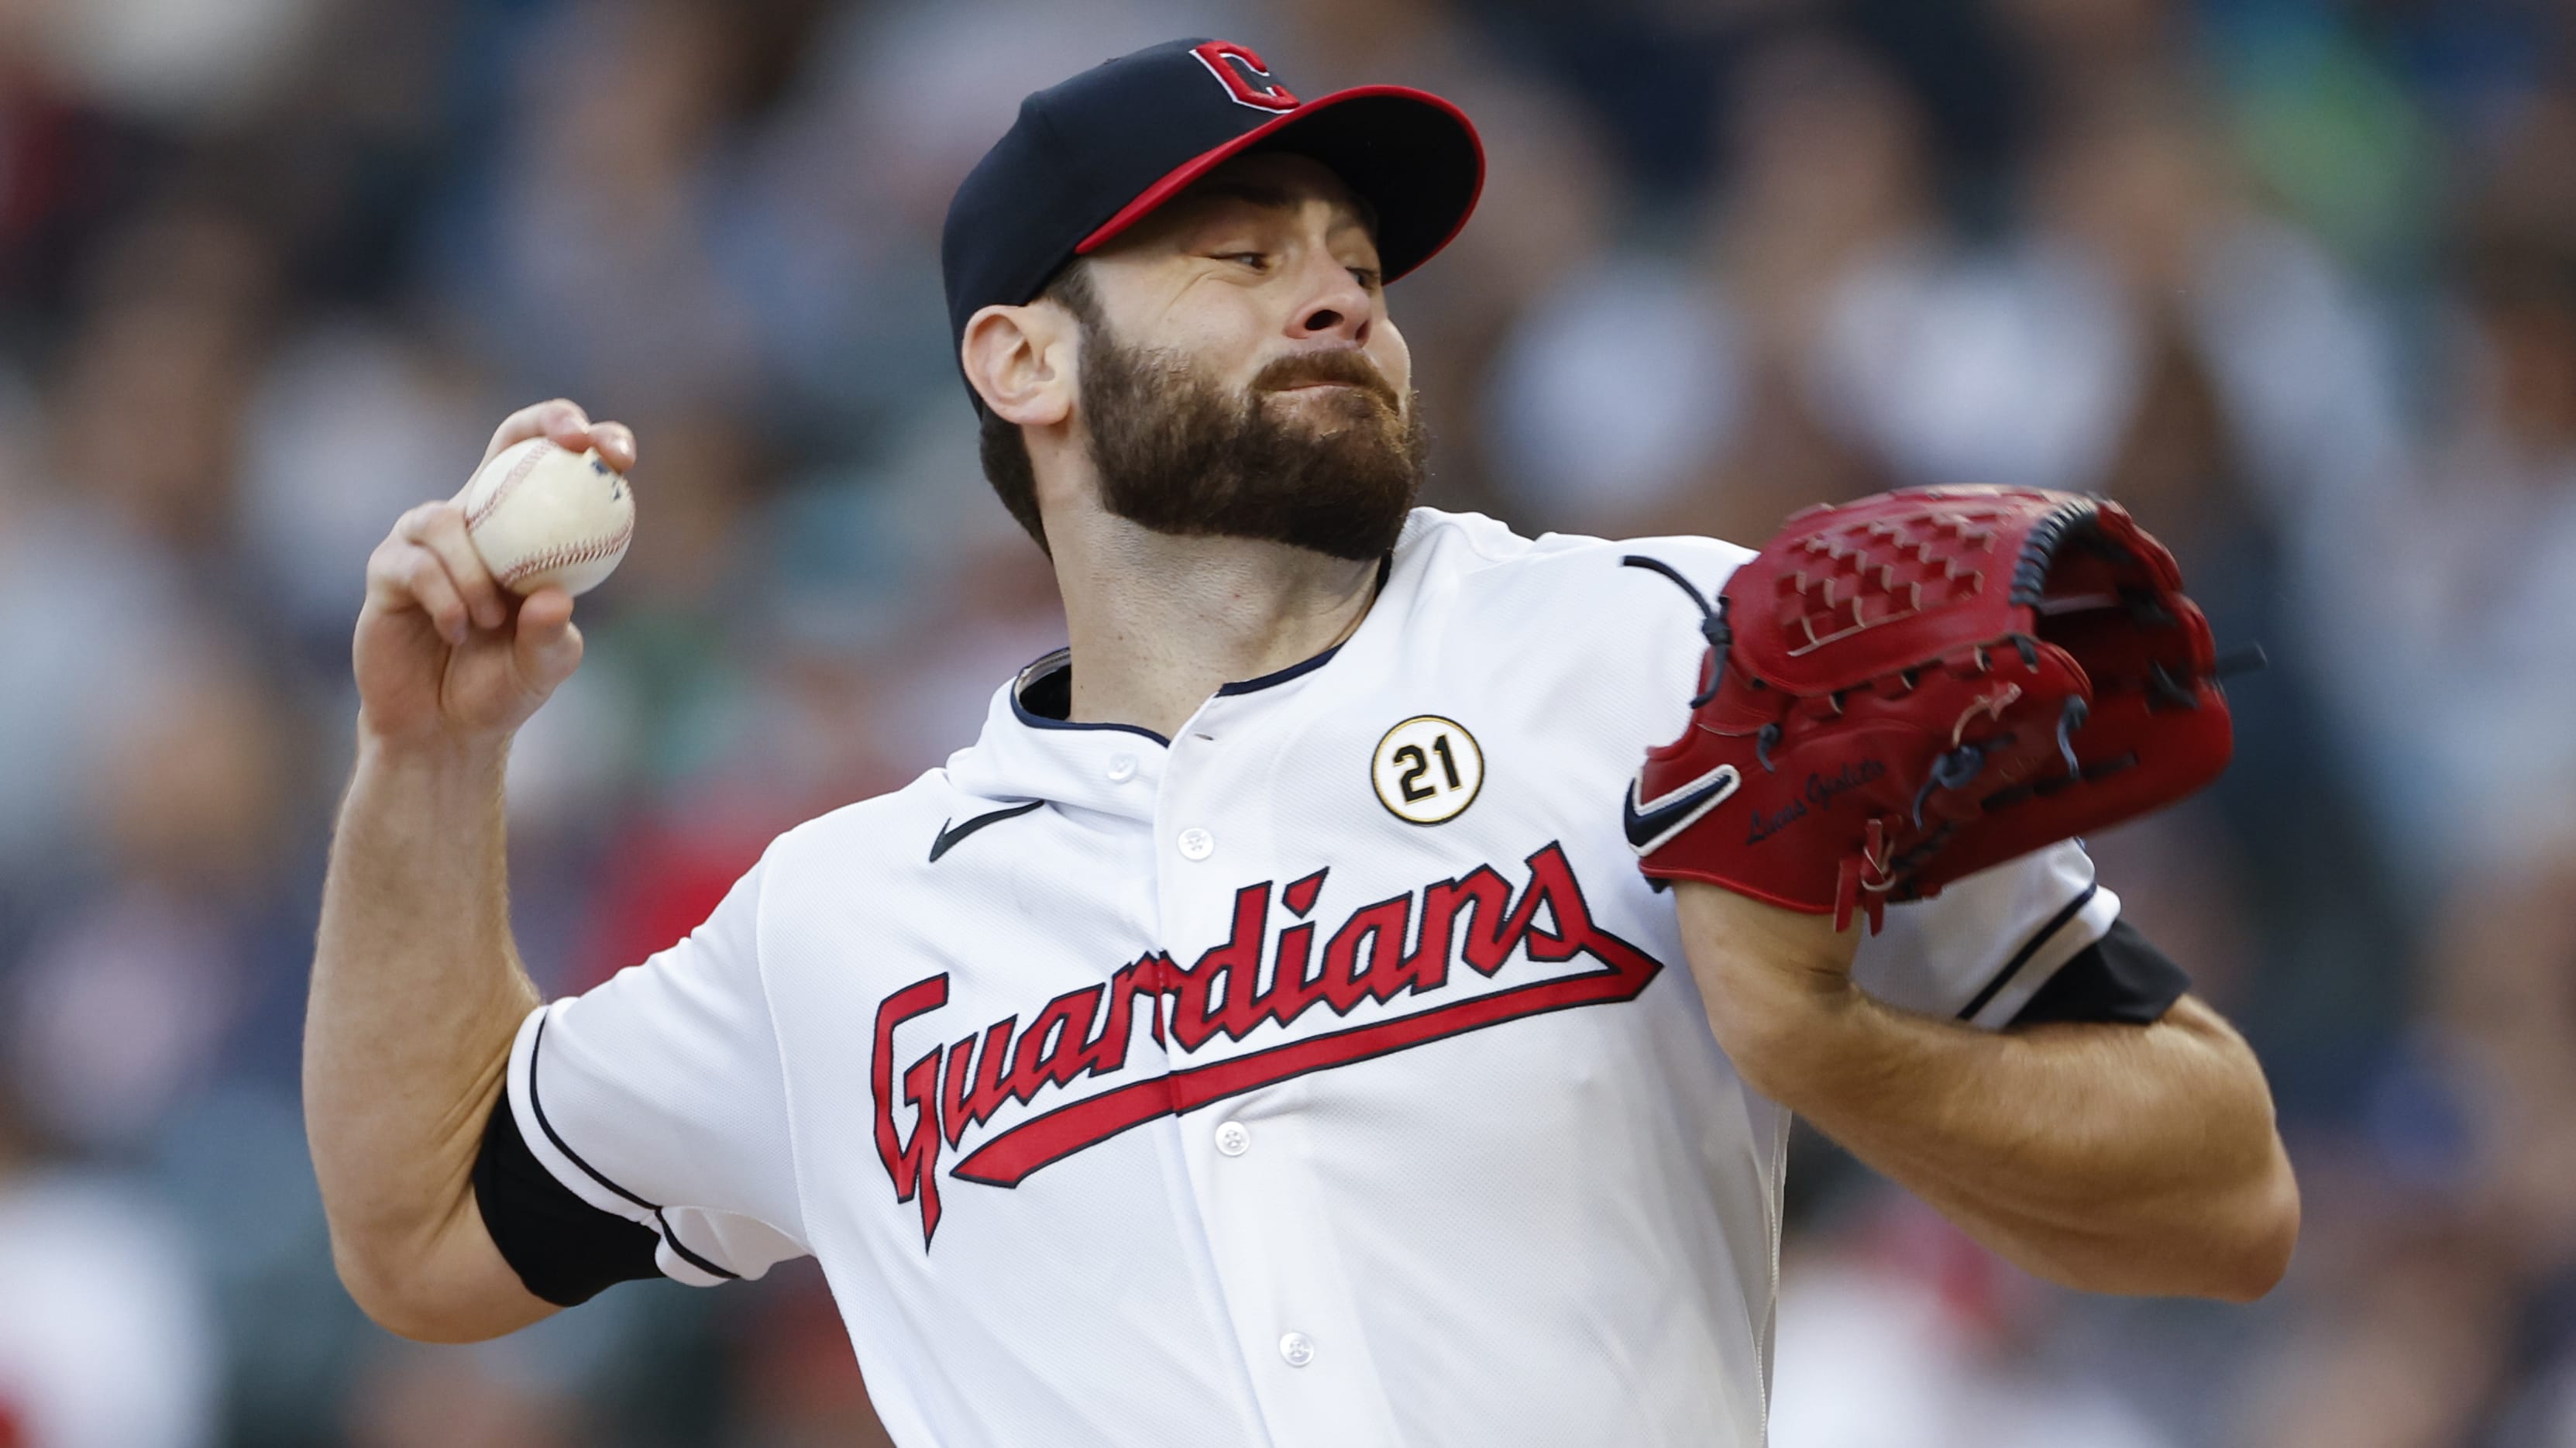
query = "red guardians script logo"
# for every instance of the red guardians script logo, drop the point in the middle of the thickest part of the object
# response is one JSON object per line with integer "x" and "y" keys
{"x": 1364, "y": 966}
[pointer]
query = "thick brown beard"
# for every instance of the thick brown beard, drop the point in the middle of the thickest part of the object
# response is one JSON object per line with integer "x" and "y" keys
{"x": 1177, "y": 455}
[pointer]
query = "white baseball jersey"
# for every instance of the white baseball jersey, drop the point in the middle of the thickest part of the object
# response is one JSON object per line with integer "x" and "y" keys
{"x": 1326, "y": 1075}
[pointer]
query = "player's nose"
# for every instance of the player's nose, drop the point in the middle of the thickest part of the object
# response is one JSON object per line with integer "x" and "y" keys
{"x": 1331, "y": 302}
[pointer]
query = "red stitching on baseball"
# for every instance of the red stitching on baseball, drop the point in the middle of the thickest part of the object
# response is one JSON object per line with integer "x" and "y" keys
{"x": 502, "y": 489}
{"x": 565, "y": 555}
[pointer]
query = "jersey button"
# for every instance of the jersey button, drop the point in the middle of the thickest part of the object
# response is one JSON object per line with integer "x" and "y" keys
{"x": 1122, "y": 768}
{"x": 1298, "y": 1349}
{"x": 1196, "y": 843}
{"x": 1234, "y": 1138}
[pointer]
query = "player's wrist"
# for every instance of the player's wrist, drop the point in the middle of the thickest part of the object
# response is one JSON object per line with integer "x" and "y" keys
{"x": 432, "y": 750}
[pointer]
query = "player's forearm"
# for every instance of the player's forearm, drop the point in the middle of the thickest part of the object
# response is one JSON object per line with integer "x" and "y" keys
{"x": 2113, "y": 1158}
{"x": 416, "y": 994}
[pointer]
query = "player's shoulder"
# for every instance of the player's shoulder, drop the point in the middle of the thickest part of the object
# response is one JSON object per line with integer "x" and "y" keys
{"x": 1479, "y": 553}
{"x": 875, "y": 835}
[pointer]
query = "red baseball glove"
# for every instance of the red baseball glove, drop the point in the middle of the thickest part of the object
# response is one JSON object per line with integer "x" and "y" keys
{"x": 1910, "y": 688}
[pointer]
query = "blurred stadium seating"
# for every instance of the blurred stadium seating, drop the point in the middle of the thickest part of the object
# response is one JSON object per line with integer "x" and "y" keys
{"x": 2295, "y": 279}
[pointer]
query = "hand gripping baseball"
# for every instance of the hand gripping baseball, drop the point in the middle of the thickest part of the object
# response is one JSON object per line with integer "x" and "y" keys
{"x": 444, "y": 654}
{"x": 1907, "y": 689}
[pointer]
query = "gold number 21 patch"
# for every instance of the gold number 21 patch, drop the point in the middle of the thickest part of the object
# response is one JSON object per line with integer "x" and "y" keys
{"x": 1428, "y": 770}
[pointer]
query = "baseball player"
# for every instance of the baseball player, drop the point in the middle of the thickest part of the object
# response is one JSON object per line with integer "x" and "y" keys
{"x": 1264, "y": 1032}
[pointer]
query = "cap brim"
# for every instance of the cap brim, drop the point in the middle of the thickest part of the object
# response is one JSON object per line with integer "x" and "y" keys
{"x": 1415, "y": 158}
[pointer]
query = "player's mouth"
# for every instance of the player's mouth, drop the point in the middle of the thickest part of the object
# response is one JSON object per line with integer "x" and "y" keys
{"x": 1322, "y": 372}
{"x": 1333, "y": 395}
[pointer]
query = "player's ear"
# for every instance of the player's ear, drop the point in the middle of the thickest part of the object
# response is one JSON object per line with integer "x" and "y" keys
{"x": 1020, "y": 360}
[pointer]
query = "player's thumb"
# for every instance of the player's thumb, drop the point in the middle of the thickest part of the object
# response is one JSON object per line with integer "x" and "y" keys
{"x": 547, "y": 648}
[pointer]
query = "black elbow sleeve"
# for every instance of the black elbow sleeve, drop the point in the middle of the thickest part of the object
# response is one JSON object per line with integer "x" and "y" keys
{"x": 2121, "y": 977}
{"x": 564, "y": 1249}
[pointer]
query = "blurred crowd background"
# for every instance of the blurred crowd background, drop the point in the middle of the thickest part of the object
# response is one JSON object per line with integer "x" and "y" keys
{"x": 2293, "y": 279}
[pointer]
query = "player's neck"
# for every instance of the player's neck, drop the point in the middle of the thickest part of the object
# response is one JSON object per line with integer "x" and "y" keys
{"x": 1160, "y": 623}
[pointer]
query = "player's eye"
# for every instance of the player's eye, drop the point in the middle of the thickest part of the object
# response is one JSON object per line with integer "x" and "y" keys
{"x": 1368, "y": 276}
{"x": 1257, "y": 260}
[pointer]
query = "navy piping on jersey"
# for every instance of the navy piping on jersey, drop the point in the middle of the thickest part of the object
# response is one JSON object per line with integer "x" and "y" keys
{"x": 537, "y": 1105}
{"x": 2121, "y": 978}
{"x": 1385, "y": 567}
{"x": 1040, "y": 670}
{"x": 2028, "y": 949}
{"x": 692, "y": 1258}
{"x": 1279, "y": 676}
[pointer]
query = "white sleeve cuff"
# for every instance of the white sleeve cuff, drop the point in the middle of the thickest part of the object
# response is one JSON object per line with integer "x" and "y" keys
{"x": 2057, "y": 940}
{"x": 702, "y": 1249}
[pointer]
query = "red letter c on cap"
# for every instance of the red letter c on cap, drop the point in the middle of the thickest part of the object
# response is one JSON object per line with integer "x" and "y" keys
{"x": 1245, "y": 78}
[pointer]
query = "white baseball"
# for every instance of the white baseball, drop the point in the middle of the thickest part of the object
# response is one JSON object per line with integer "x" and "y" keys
{"x": 539, "y": 515}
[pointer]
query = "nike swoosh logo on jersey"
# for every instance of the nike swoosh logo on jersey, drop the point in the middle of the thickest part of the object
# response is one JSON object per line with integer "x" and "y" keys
{"x": 948, "y": 838}
{"x": 1652, "y": 823}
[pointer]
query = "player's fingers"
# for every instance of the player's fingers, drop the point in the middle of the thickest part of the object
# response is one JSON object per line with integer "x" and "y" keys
{"x": 405, "y": 575}
{"x": 440, "y": 528}
{"x": 548, "y": 647}
{"x": 567, "y": 427}
{"x": 402, "y": 575}
{"x": 559, "y": 419}
{"x": 616, "y": 444}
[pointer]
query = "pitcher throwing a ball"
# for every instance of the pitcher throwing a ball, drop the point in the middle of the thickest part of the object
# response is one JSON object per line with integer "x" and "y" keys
{"x": 1265, "y": 1032}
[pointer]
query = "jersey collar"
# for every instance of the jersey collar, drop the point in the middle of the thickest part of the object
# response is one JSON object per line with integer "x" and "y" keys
{"x": 1028, "y": 750}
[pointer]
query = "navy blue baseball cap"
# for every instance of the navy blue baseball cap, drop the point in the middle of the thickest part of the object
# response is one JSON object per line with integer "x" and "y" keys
{"x": 1094, "y": 155}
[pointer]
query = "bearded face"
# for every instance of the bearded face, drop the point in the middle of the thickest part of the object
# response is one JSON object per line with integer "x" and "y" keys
{"x": 1291, "y": 459}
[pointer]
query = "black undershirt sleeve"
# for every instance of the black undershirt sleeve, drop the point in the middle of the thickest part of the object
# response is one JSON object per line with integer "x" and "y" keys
{"x": 564, "y": 1249}
{"x": 2121, "y": 977}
